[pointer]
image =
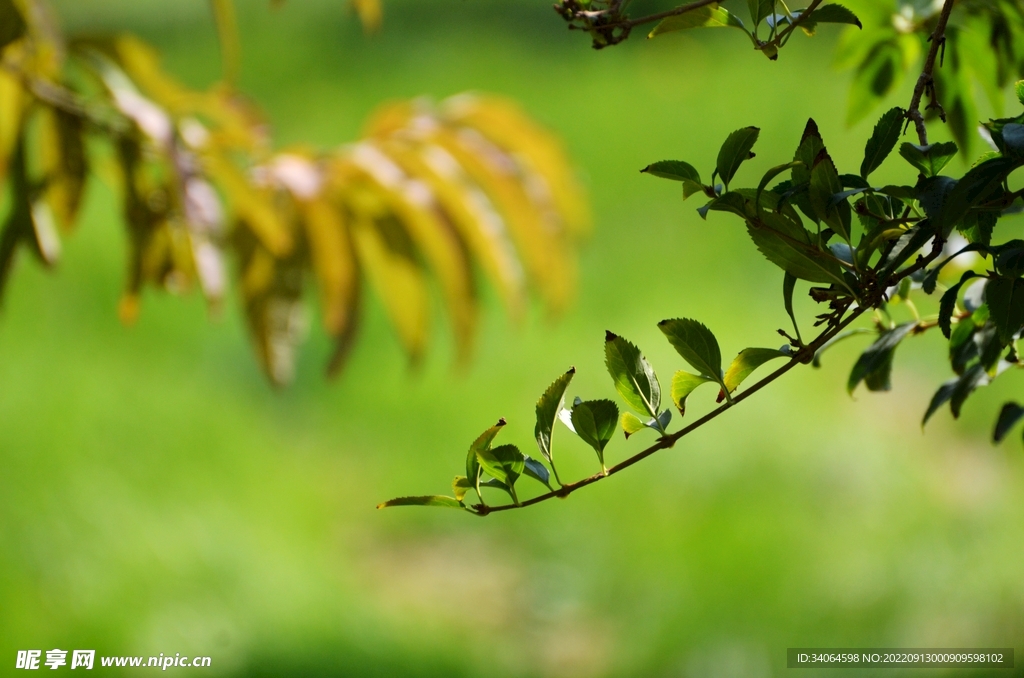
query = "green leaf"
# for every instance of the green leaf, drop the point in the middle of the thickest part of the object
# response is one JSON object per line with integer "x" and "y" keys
{"x": 875, "y": 364}
{"x": 460, "y": 486}
{"x": 1009, "y": 259}
{"x": 981, "y": 184}
{"x": 1018, "y": 87}
{"x": 969, "y": 381}
{"x": 631, "y": 424}
{"x": 683, "y": 384}
{"x": 760, "y": 9}
{"x": 595, "y": 422}
{"x": 769, "y": 175}
{"x": 547, "y": 408}
{"x": 947, "y": 304}
{"x": 432, "y": 500}
{"x": 883, "y": 139}
{"x": 824, "y": 187}
{"x": 788, "y": 285}
{"x": 1005, "y": 298}
{"x": 505, "y": 464}
{"x": 734, "y": 151}
{"x": 832, "y": 14}
{"x": 536, "y": 470}
{"x": 634, "y": 377}
{"x": 1013, "y": 140}
{"x": 788, "y": 245}
{"x": 696, "y": 344}
{"x": 929, "y": 160}
{"x": 748, "y": 360}
{"x": 482, "y": 443}
{"x": 708, "y": 16}
{"x": 677, "y": 170}
{"x": 941, "y": 396}
{"x": 1009, "y": 415}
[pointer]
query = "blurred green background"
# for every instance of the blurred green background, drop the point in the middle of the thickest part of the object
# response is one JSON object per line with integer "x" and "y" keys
{"x": 158, "y": 496}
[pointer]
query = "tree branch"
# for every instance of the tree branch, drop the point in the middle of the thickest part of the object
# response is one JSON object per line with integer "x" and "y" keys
{"x": 802, "y": 357}
{"x": 926, "y": 80}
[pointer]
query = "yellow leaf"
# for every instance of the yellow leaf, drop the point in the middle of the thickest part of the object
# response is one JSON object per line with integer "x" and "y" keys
{"x": 370, "y": 14}
{"x": 502, "y": 122}
{"x": 254, "y": 206}
{"x": 470, "y": 212}
{"x": 64, "y": 163}
{"x": 12, "y": 106}
{"x": 392, "y": 269}
{"x": 413, "y": 204}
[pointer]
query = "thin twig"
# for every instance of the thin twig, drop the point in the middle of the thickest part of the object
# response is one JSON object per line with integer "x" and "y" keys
{"x": 927, "y": 78}
{"x": 802, "y": 357}
{"x": 682, "y": 9}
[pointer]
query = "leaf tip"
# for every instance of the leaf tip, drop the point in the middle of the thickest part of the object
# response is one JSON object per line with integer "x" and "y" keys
{"x": 501, "y": 422}
{"x": 610, "y": 336}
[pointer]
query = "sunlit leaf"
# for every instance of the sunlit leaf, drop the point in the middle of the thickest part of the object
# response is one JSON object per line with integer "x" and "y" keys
{"x": 748, "y": 360}
{"x": 595, "y": 422}
{"x": 708, "y": 16}
{"x": 548, "y": 407}
{"x": 432, "y": 500}
{"x": 683, "y": 384}
{"x": 634, "y": 377}
{"x": 696, "y": 344}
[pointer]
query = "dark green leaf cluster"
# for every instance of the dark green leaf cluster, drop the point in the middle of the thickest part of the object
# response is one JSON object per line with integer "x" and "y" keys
{"x": 870, "y": 261}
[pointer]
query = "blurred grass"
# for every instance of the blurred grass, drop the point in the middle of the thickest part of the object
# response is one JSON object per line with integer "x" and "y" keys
{"x": 157, "y": 496}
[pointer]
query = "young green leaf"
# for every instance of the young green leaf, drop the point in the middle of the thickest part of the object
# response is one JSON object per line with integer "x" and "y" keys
{"x": 1009, "y": 415}
{"x": 677, "y": 170}
{"x": 634, "y": 378}
{"x": 883, "y": 139}
{"x": 734, "y": 151}
{"x": 708, "y": 16}
{"x": 683, "y": 384}
{"x": 1005, "y": 298}
{"x": 696, "y": 344}
{"x": 595, "y": 421}
{"x": 759, "y": 10}
{"x": 433, "y": 500}
{"x": 505, "y": 464}
{"x": 547, "y": 408}
{"x": 631, "y": 424}
{"x": 832, "y": 14}
{"x": 875, "y": 364}
{"x": 929, "y": 160}
{"x": 1018, "y": 87}
{"x": 462, "y": 485}
{"x": 748, "y": 360}
{"x": 482, "y": 443}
